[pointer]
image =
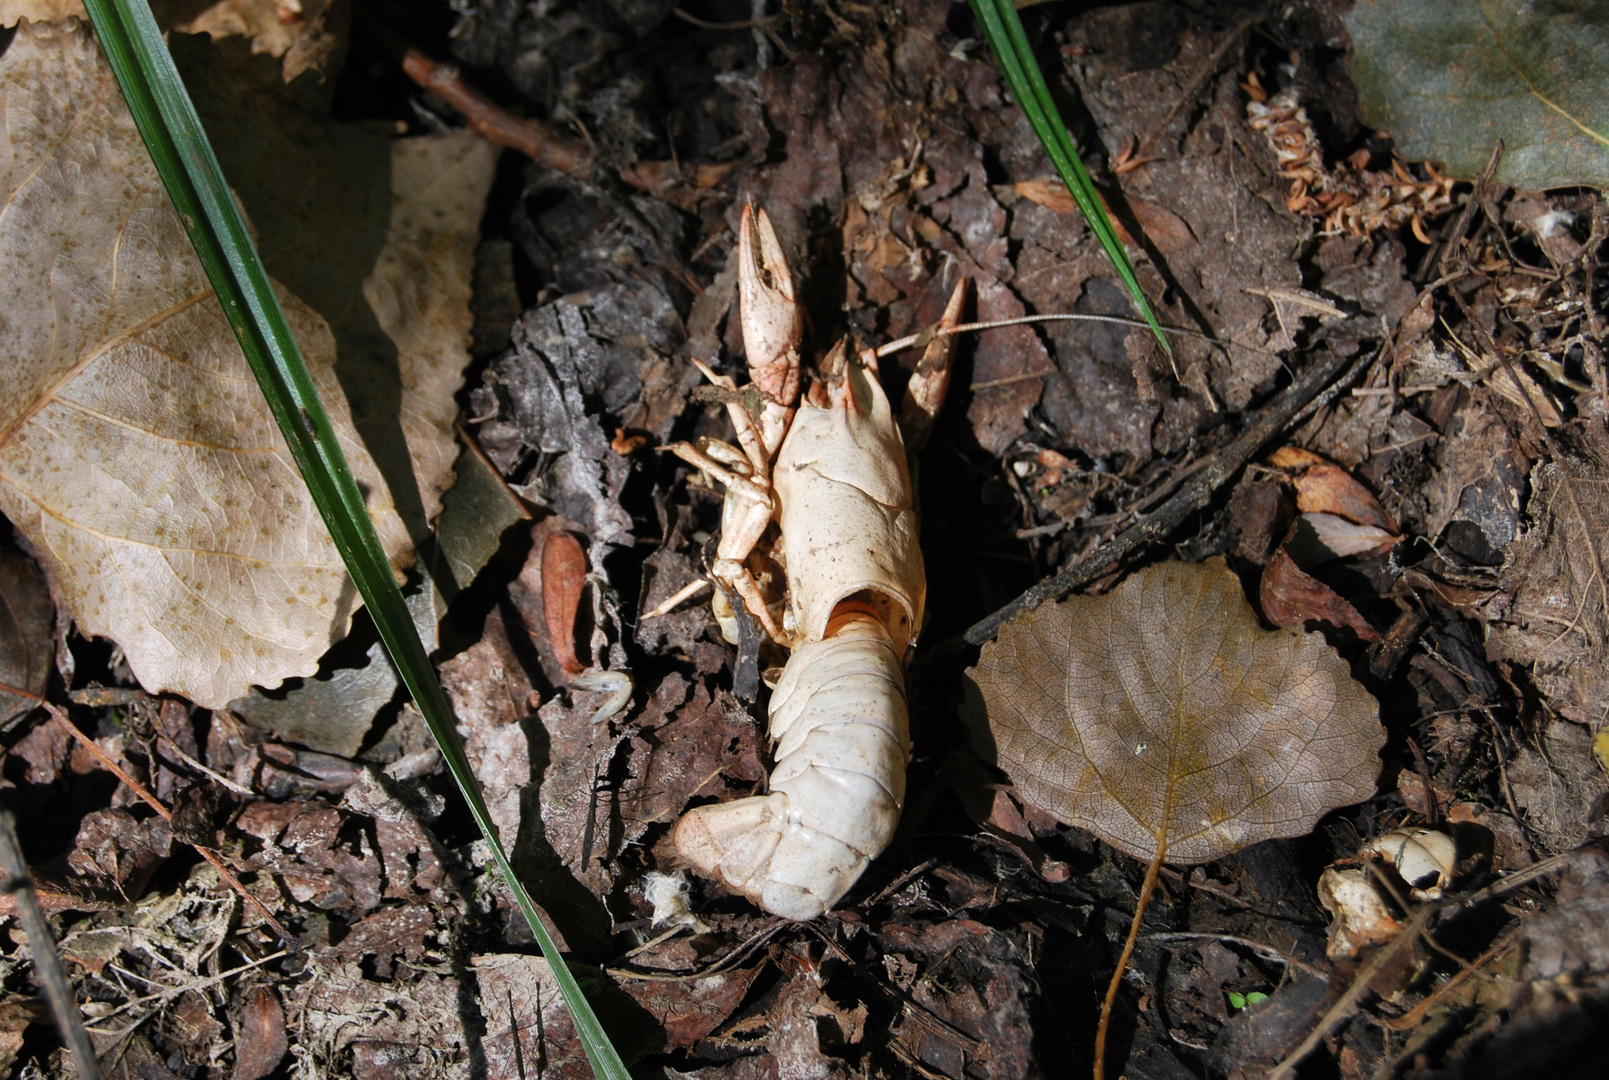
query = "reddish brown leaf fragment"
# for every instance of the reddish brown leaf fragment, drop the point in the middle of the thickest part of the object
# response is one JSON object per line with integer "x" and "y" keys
{"x": 1330, "y": 489}
{"x": 564, "y": 572}
{"x": 1162, "y": 227}
{"x": 1323, "y": 487}
{"x": 691, "y": 1009}
{"x": 1290, "y": 597}
{"x": 260, "y": 1041}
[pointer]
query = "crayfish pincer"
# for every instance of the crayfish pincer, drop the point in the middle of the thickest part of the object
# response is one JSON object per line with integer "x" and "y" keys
{"x": 833, "y": 472}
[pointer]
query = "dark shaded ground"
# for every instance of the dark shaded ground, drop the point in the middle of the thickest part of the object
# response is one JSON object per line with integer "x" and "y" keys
{"x": 883, "y": 145}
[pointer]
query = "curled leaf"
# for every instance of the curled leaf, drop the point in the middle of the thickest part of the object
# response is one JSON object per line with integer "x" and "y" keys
{"x": 1290, "y": 597}
{"x": 1162, "y": 717}
{"x": 564, "y": 572}
{"x": 1323, "y": 487}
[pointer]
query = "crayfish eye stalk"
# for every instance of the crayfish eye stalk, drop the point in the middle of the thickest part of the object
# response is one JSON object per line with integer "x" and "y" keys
{"x": 773, "y": 321}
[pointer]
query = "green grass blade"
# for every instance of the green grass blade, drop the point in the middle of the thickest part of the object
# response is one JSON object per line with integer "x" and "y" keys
{"x": 1003, "y": 28}
{"x": 183, "y": 156}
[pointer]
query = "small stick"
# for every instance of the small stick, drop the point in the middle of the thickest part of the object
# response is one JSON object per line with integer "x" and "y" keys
{"x": 532, "y": 138}
{"x": 135, "y": 786}
{"x": 1193, "y": 495}
{"x": 684, "y": 594}
{"x": 537, "y": 140}
{"x": 216, "y": 777}
{"x": 1267, "y": 952}
{"x": 47, "y": 963}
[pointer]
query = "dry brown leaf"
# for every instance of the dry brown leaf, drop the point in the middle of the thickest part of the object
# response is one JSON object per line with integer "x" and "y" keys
{"x": 18, "y": 1011}
{"x": 260, "y": 1042}
{"x": 1555, "y": 573}
{"x": 1323, "y": 487}
{"x": 1290, "y": 597}
{"x": 1163, "y": 714}
{"x": 309, "y": 34}
{"x": 26, "y": 648}
{"x": 1167, "y": 230}
{"x": 135, "y": 448}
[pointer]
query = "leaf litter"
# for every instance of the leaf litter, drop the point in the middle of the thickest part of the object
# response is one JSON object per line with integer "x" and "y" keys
{"x": 882, "y": 144}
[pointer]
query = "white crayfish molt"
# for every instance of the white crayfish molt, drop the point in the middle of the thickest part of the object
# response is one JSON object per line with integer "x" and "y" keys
{"x": 841, "y": 493}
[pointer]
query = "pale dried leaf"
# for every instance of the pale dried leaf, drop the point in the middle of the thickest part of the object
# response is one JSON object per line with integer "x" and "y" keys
{"x": 1318, "y": 538}
{"x": 39, "y": 10}
{"x": 1162, "y": 713}
{"x": 302, "y": 31}
{"x": 135, "y": 448}
{"x": 136, "y": 451}
{"x": 379, "y": 236}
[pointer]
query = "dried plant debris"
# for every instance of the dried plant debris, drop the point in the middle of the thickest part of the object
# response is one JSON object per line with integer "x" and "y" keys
{"x": 1347, "y": 197}
{"x": 578, "y": 372}
{"x": 1162, "y": 716}
{"x": 1553, "y": 612}
{"x": 976, "y": 947}
{"x": 1450, "y": 80}
{"x": 1560, "y": 788}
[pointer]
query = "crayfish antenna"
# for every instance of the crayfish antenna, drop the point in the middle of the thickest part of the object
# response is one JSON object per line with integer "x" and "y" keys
{"x": 772, "y": 320}
{"x": 930, "y": 382}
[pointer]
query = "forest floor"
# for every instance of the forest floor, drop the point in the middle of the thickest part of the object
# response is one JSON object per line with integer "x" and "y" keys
{"x": 1468, "y": 399}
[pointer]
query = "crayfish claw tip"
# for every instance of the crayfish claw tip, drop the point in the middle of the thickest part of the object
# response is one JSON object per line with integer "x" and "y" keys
{"x": 769, "y": 262}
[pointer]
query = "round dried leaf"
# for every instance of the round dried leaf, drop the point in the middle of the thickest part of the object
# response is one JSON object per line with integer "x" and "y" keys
{"x": 1164, "y": 714}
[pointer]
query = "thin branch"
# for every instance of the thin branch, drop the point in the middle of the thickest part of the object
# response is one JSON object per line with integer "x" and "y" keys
{"x": 532, "y": 138}
{"x": 746, "y": 24}
{"x": 1267, "y": 952}
{"x": 539, "y": 142}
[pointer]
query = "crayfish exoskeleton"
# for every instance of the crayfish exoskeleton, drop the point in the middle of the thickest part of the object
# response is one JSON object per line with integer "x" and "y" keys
{"x": 833, "y": 472}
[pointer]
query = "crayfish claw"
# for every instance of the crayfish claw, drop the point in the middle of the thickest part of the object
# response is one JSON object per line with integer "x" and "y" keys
{"x": 773, "y": 321}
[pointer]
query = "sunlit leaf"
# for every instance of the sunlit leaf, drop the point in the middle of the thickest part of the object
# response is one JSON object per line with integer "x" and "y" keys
{"x": 1163, "y": 715}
